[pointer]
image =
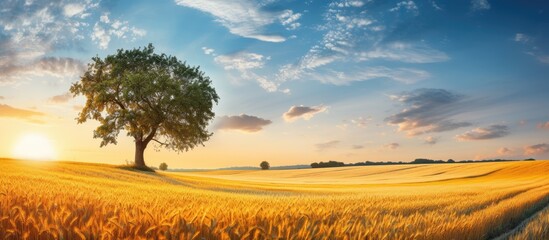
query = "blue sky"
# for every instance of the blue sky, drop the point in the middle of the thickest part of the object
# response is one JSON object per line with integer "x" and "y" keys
{"x": 300, "y": 81}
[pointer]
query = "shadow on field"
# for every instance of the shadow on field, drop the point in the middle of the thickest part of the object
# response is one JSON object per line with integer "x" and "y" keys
{"x": 207, "y": 187}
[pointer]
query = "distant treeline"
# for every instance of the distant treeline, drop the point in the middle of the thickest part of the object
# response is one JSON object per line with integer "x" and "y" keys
{"x": 327, "y": 164}
{"x": 416, "y": 161}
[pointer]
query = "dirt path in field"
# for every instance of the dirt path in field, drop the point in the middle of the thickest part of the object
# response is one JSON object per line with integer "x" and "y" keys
{"x": 522, "y": 224}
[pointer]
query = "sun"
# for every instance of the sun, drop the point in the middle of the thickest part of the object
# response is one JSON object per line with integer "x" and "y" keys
{"x": 34, "y": 147}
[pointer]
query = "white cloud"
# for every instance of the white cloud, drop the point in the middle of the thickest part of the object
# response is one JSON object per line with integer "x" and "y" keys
{"x": 208, "y": 51}
{"x": 138, "y": 32}
{"x": 408, "y": 5}
{"x": 241, "y": 61}
{"x": 73, "y": 9}
{"x": 351, "y": 3}
{"x": 105, "y": 18}
{"x": 244, "y": 63}
{"x": 351, "y": 41}
{"x": 35, "y": 29}
{"x": 405, "y": 52}
{"x": 289, "y": 19}
{"x": 361, "y": 122}
{"x": 521, "y": 37}
{"x": 100, "y": 36}
{"x": 242, "y": 17}
{"x": 403, "y": 75}
{"x": 478, "y": 5}
{"x": 435, "y": 5}
{"x": 105, "y": 29}
{"x": 532, "y": 43}
{"x": 31, "y": 30}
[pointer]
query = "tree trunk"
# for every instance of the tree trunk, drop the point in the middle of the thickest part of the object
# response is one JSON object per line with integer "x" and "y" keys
{"x": 140, "y": 153}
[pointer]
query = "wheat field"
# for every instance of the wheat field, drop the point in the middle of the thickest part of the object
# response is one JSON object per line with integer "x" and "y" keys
{"x": 64, "y": 200}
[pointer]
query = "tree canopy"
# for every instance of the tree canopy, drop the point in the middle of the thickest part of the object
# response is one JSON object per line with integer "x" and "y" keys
{"x": 265, "y": 165}
{"x": 152, "y": 97}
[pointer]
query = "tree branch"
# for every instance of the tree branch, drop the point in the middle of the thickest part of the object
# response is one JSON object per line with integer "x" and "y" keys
{"x": 119, "y": 103}
{"x": 150, "y": 136}
{"x": 159, "y": 142}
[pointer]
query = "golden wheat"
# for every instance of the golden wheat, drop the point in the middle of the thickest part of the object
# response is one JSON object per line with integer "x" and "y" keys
{"x": 47, "y": 200}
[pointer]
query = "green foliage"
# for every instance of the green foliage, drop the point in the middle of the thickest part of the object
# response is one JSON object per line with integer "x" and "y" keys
{"x": 265, "y": 165}
{"x": 153, "y": 97}
{"x": 163, "y": 166}
{"x": 327, "y": 164}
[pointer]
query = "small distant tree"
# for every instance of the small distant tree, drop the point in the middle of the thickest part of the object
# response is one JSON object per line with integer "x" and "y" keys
{"x": 163, "y": 166}
{"x": 450, "y": 161}
{"x": 265, "y": 165}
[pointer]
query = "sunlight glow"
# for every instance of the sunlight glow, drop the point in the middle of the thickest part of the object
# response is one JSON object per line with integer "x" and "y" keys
{"x": 34, "y": 147}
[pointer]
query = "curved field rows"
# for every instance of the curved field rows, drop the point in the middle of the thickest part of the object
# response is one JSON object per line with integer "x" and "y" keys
{"x": 390, "y": 174}
{"x": 446, "y": 201}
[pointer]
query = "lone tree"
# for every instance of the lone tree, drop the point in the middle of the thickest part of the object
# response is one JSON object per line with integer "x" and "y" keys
{"x": 163, "y": 166}
{"x": 153, "y": 97}
{"x": 265, "y": 165}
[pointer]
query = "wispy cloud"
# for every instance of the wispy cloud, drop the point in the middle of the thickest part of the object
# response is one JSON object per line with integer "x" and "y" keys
{"x": 244, "y": 63}
{"x": 347, "y": 3}
{"x": 361, "y": 122}
{"x": 431, "y": 140}
{"x": 352, "y": 40}
{"x": 48, "y": 66}
{"x": 533, "y": 45}
{"x": 61, "y": 98}
{"x": 427, "y": 110}
{"x": 296, "y": 112}
{"x": 289, "y": 19}
{"x": 392, "y": 146}
{"x": 242, "y": 122}
{"x": 241, "y": 61}
{"x": 544, "y": 125}
{"x": 403, "y": 75}
{"x": 536, "y": 149}
{"x": 327, "y": 145}
{"x": 74, "y": 9}
{"x": 522, "y": 38}
{"x": 105, "y": 29}
{"x": 242, "y": 17}
{"x": 208, "y": 51}
{"x": 478, "y": 5}
{"x": 404, "y": 52}
{"x": 7, "y": 111}
{"x": 505, "y": 151}
{"x": 409, "y": 6}
{"x": 483, "y": 133}
{"x": 33, "y": 30}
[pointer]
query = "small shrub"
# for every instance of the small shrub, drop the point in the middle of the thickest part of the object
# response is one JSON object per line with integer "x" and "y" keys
{"x": 163, "y": 166}
{"x": 265, "y": 165}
